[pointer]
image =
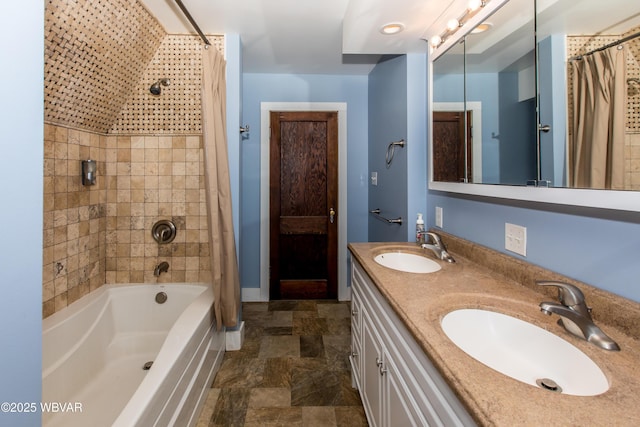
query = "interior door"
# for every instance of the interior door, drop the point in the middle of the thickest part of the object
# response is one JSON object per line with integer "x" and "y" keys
{"x": 303, "y": 205}
{"x": 449, "y": 154}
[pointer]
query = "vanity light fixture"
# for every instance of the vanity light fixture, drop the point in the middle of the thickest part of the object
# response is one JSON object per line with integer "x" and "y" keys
{"x": 454, "y": 24}
{"x": 392, "y": 28}
{"x": 475, "y": 5}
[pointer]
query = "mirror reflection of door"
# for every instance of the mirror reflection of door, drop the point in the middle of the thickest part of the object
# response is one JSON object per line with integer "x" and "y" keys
{"x": 303, "y": 205}
{"x": 450, "y": 152}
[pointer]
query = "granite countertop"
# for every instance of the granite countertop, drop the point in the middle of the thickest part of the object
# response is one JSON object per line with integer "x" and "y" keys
{"x": 422, "y": 300}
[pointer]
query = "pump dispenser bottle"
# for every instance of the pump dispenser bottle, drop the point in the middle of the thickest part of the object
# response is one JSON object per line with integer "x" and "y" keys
{"x": 420, "y": 230}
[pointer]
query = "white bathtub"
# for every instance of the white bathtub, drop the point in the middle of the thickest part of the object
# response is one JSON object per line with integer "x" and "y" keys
{"x": 95, "y": 349}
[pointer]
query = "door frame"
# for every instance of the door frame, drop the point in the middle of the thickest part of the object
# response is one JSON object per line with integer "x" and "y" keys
{"x": 476, "y": 131}
{"x": 262, "y": 294}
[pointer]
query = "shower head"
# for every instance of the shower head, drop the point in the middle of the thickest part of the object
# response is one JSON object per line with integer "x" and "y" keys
{"x": 156, "y": 89}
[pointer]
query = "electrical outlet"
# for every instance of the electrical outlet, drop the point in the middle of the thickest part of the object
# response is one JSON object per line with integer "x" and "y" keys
{"x": 374, "y": 178}
{"x": 515, "y": 238}
{"x": 438, "y": 216}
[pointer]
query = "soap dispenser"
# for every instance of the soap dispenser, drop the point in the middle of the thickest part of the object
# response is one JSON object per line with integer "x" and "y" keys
{"x": 420, "y": 230}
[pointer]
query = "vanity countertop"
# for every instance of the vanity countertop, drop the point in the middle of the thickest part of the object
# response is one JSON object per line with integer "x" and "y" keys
{"x": 422, "y": 300}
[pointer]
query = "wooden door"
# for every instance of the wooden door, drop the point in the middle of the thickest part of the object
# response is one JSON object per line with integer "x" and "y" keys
{"x": 303, "y": 205}
{"x": 449, "y": 158}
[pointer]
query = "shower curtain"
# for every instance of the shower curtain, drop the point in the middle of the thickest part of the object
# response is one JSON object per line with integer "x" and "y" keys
{"x": 224, "y": 264}
{"x": 596, "y": 149}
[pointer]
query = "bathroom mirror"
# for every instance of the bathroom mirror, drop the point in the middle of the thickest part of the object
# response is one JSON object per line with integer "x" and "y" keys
{"x": 498, "y": 89}
{"x": 509, "y": 157}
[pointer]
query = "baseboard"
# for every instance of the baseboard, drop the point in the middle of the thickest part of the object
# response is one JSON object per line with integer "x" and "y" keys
{"x": 235, "y": 338}
{"x": 252, "y": 295}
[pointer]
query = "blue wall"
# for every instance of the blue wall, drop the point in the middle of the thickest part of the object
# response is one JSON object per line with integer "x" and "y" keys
{"x": 388, "y": 123}
{"x": 259, "y": 88}
{"x": 397, "y": 110}
{"x": 553, "y": 108}
{"x": 597, "y": 247}
{"x": 21, "y": 163}
{"x": 518, "y": 158}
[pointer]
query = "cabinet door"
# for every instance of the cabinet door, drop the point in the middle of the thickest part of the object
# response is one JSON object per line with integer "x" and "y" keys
{"x": 371, "y": 378}
{"x": 400, "y": 408}
{"x": 356, "y": 335}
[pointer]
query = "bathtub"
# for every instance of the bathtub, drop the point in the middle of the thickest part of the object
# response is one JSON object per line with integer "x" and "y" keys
{"x": 95, "y": 351}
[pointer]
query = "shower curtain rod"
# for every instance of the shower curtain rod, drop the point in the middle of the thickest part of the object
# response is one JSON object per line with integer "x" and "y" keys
{"x": 626, "y": 39}
{"x": 193, "y": 23}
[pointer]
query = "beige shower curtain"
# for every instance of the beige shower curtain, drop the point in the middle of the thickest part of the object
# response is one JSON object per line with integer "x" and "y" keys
{"x": 596, "y": 149}
{"x": 224, "y": 264}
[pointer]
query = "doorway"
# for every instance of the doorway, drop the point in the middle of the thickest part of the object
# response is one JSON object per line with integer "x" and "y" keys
{"x": 303, "y": 205}
{"x": 452, "y": 146}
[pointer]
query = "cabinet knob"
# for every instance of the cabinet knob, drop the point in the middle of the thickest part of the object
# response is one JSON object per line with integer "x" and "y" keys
{"x": 354, "y": 354}
{"x": 383, "y": 370}
{"x": 354, "y": 312}
{"x": 378, "y": 361}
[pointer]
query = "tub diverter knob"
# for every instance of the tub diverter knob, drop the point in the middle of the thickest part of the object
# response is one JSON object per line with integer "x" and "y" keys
{"x": 164, "y": 231}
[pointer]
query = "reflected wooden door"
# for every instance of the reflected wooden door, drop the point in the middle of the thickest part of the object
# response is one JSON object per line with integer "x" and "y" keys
{"x": 449, "y": 157}
{"x": 303, "y": 205}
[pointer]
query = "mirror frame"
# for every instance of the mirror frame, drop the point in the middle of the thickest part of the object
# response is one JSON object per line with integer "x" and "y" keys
{"x": 624, "y": 200}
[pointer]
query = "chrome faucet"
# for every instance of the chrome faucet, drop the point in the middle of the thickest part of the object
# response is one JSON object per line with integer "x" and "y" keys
{"x": 163, "y": 267}
{"x": 575, "y": 315}
{"x": 436, "y": 245}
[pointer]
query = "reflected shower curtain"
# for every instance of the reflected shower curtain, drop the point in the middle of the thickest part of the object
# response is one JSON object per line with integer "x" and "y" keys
{"x": 224, "y": 264}
{"x": 596, "y": 149}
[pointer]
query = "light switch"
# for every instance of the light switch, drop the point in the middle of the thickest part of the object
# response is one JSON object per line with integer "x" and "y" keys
{"x": 438, "y": 216}
{"x": 515, "y": 238}
{"x": 374, "y": 178}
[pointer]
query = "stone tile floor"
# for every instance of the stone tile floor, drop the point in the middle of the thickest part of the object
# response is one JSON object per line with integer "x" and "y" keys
{"x": 293, "y": 369}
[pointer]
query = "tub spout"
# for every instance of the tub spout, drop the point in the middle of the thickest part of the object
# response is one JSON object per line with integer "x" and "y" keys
{"x": 163, "y": 267}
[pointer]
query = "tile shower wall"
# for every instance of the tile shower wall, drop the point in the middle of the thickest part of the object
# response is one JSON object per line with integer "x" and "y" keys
{"x": 151, "y": 178}
{"x": 102, "y": 234}
{"x": 101, "y": 56}
{"x": 74, "y": 217}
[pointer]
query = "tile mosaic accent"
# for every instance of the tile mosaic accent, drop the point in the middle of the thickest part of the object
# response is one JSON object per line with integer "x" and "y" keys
{"x": 101, "y": 57}
{"x": 177, "y": 109}
{"x": 95, "y": 54}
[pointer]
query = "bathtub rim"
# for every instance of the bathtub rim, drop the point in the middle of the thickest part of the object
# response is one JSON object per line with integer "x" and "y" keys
{"x": 194, "y": 314}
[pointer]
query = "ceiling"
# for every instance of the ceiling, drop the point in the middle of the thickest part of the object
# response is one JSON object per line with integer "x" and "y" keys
{"x": 343, "y": 36}
{"x": 307, "y": 36}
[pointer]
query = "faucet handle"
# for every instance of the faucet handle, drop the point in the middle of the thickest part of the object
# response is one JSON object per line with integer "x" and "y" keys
{"x": 569, "y": 295}
{"x": 435, "y": 238}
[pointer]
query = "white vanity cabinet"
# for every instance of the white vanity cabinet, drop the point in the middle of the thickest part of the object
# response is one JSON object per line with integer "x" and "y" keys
{"x": 398, "y": 384}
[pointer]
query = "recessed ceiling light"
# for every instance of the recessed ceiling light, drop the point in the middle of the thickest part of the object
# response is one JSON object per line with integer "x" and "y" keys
{"x": 392, "y": 28}
{"x": 481, "y": 28}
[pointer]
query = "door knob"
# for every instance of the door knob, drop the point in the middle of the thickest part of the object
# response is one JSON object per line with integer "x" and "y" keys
{"x": 332, "y": 215}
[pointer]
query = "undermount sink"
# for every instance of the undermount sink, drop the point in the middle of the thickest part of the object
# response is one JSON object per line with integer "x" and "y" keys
{"x": 407, "y": 262}
{"x": 524, "y": 352}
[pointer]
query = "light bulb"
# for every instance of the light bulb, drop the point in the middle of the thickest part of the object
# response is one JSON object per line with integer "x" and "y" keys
{"x": 452, "y": 24}
{"x": 474, "y": 5}
{"x": 436, "y": 40}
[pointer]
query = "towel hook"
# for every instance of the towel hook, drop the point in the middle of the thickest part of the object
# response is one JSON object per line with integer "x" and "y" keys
{"x": 391, "y": 151}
